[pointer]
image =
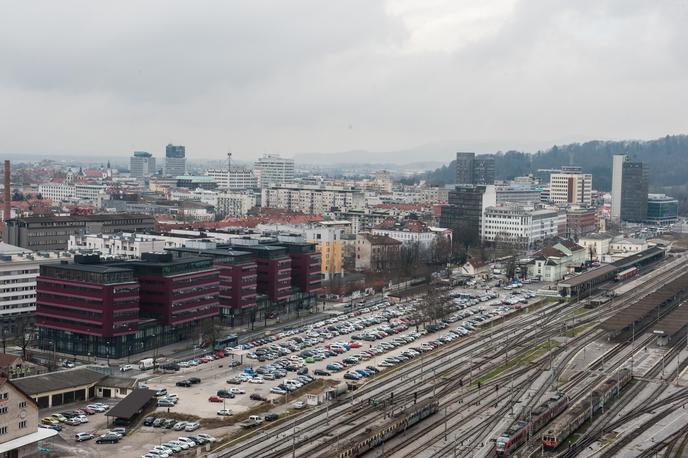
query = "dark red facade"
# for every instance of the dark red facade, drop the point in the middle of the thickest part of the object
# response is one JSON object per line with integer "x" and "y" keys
{"x": 94, "y": 300}
{"x": 177, "y": 291}
{"x": 305, "y": 267}
{"x": 274, "y": 270}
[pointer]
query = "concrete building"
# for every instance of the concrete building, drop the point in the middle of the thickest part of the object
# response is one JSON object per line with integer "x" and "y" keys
{"x": 46, "y": 233}
{"x": 89, "y": 191}
{"x": 519, "y": 226}
{"x": 472, "y": 170}
{"x": 141, "y": 164}
{"x": 363, "y": 220}
{"x": 235, "y": 204}
{"x": 57, "y": 192}
{"x": 629, "y": 190}
{"x": 412, "y": 232}
{"x": 329, "y": 239}
{"x": 311, "y": 199}
{"x": 661, "y": 209}
{"x": 235, "y": 179}
{"x": 580, "y": 221}
{"x": 175, "y": 160}
{"x": 20, "y": 436}
{"x": 571, "y": 186}
{"x": 273, "y": 170}
{"x": 18, "y": 271}
{"x": 122, "y": 246}
{"x": 622, "y": 245}
{"x": 376, "y": 253}
{"x": 196, "y": 182}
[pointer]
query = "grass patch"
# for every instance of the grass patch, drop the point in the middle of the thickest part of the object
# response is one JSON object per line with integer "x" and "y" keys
{"x": 528, "y": 357}
{"x": 578, "y": 330}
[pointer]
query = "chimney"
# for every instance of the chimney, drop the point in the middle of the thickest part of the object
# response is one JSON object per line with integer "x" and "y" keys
{"x": 8, "y": 198}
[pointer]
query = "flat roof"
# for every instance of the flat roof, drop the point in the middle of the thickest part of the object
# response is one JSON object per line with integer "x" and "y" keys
{"x": 132, "y": 404}
{"x": 56, "y": 381}
{"x": 646, "y": 305}
{"x": 590, "y": 275}
{"x": 98, "y": 268}
{"x": 673, "y": 322}
{"x": 28, "y": 439}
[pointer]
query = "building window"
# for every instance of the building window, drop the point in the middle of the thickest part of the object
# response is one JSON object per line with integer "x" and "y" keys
{"x": 3, "y": 430}
{"x": 3, "y": 410}
{"x": 3, "y": 396}
{"x": 22, "y": 424}
{"x": 22, "y": 404}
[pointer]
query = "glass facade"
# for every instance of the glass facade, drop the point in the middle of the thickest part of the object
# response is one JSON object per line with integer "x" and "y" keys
{"x": 662, "y": 209}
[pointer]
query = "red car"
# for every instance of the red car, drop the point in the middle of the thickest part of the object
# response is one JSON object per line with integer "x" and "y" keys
{"x": 88, "y": 411}
{"x": 215, "y": 399}
{"x": 353, "y": 344}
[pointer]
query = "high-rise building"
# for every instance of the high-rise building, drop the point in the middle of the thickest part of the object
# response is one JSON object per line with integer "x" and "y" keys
{"x": 472, "y": 170}
{"x": 141, "y": 164}
{"x": 175, "y": 160}
{"x": 273, "y": 170}
{"x": 629, "y": 190}
{"x": 465, "y": 208}
{"x": 571, "y": 186}
{"x": 516, "y": 225}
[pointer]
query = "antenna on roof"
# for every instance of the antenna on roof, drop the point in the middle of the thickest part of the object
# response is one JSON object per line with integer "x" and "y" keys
{"x": 229, "y": 168}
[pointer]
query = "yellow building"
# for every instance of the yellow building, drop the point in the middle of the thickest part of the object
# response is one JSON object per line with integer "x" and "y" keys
{"x": 327, "y": 235}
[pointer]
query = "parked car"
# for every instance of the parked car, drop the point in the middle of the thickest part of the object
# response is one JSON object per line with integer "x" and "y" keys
{"x": 321, "y": 373}
{"x": 224, "y": 412}
{"x": 193, "y": 426}
{"x": 194, "y": 380}
{"x": 179, "y": 426}
{"x": 80, "y": 437}
{"x": 258, "y": 397}
{"x": 165, "y": 403}
{"x": 271, "y": 416}
{"x": 148, "y": 421}
{"x": 215, "y": 399}
{"x": 108, "y": 438}
{"x": 299, "y": 405}
{"x": 184, "y": 383}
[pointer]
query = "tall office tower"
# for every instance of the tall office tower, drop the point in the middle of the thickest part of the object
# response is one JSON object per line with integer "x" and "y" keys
{"x": 465, "y": 209}
{"x": 272, "y": 169}
{"x": 175, "y": 160}
{"x": 472, "y": 170}
{"x": 141, "y": 164}
{"x": 571, "y": 186}
{"x": 617, "y": 174}
{"x": 629, "y": 190}
{"x": 464, "y": 168}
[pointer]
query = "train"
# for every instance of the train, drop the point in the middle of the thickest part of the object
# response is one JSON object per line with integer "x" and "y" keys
{"x": 584, "y": 409}
{"x": 518, "y": 433}
{"x": 626, "y": 274}
{"x": 372, "y": 437}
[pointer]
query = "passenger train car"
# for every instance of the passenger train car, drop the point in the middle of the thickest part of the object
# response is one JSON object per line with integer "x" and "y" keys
{"x": 372, "y": 437}
{"x": 582, "y": 410}
{"x": 515, "y": 436}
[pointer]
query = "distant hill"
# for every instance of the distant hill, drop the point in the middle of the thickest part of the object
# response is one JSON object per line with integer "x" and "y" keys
{"x": 666, "y": 157}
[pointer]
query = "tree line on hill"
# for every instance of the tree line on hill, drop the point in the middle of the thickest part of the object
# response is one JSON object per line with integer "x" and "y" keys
{"x": 666, "y": 158}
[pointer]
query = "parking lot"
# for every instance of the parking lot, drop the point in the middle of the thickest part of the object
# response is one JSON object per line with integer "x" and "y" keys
{"x": 348, "y": 346}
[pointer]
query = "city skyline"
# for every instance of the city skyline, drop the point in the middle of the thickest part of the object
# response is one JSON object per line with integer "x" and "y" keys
{"x": 375, "y": 76}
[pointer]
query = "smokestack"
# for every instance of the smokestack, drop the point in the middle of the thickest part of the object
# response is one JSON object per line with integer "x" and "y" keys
{"x": 8, "y": 197}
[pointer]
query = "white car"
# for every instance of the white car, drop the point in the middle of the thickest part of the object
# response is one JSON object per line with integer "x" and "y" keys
{"x": 186, "y": 440}
{"x": 207, "y": 437}
{"x": 276, "y": 390}
{"x": 82, "y": 418}
{"x": 193, "y": 426}
{"x": 257, "y": 380}
{"x": 183, "y": 445}
{"x": 235, "y": 390}
{"x": 224, "y": 412}
{"x": 299, "y": 405}
{"x": 96, "y": 407}
{"x": 179, "y": 426}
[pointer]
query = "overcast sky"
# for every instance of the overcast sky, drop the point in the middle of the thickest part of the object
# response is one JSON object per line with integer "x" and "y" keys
{"x": 292, "y": 76}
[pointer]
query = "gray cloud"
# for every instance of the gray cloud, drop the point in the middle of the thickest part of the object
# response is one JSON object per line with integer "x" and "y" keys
{"x": 299, "y": 76}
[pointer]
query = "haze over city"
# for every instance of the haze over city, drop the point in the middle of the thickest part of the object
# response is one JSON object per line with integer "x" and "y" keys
{"x": 256, "y": 77}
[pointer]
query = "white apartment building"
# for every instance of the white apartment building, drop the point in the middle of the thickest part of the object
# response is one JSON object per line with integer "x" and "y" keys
{"x": 520, "y": 226}
{"x": 19, "y": 268}
{"x": 311, "y": 199}
{"x": 119, "y": 246}
{"x": 61, "y": 192}
{"x": 273, "y": 170}
{"x": 141, "y": 164}
{"x": 238, "y": 178}
{"x": 235, "y": 204}
{"x": 57, "y": 192}
{"x": 571, "y": 186}
{"x": 89, "y": 191}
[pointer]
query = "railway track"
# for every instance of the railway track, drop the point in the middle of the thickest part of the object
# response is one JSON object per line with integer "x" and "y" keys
{"x": 504, "y": 338}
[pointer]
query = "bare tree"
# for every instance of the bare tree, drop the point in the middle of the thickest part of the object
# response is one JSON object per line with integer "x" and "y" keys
{"x": 435, "y": 305}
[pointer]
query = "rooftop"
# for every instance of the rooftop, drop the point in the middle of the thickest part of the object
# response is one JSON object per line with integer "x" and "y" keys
{"x": 132, "y": 404}
{"x": 55, "y": 381}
